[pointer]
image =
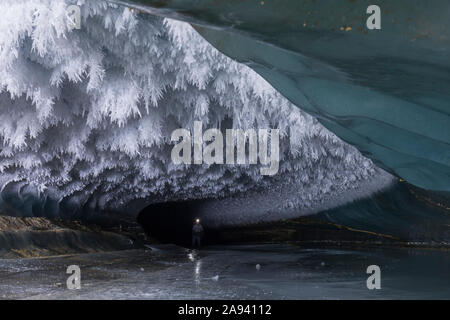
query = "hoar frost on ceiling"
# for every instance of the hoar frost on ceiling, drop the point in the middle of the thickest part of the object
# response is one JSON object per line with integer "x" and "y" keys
{"x": 86, "y": 115}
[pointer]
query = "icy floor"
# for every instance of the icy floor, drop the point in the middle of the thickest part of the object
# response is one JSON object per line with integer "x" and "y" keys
{"x": 229, "y": 272}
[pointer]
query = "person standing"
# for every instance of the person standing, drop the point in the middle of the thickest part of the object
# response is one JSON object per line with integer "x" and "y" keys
{"x": 197, "y": 234}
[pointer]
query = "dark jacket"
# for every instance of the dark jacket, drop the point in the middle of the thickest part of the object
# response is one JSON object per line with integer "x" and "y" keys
{"x": 197, "y": 230}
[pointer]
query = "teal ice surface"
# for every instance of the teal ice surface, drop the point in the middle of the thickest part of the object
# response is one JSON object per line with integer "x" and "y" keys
{"x": 395, "y": 212}
{"x": 387, "y": 92}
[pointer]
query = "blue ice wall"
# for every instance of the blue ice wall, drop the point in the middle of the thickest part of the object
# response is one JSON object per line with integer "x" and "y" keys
{"x": 386, "y": 91}
{"x": 402, "y": 211}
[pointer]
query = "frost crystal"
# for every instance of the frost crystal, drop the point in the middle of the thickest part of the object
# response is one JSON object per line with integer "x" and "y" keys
{"x": 86, "y": 115}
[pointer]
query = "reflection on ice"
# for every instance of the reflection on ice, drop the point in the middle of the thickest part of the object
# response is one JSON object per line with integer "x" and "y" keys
{"x": 198, "y": 267}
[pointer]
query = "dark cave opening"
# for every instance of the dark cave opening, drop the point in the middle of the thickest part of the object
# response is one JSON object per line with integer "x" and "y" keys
{"x": 171, "y": 222}
{"x": 413, "y": 215}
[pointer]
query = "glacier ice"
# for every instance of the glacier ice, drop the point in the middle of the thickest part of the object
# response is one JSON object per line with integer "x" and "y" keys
{"x": 86, "y": 117}
{"x": 385, "y": 91}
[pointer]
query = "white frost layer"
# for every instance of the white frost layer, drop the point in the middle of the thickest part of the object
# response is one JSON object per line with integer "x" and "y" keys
{"x": 86, "y": 115}
{"x": 285, "y": 199}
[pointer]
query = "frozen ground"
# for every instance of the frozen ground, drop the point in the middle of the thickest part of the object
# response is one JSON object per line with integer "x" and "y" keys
{"x": 287, "y": 272}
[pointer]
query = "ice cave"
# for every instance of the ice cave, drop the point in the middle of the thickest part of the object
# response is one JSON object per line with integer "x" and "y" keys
{"x": 87, "y": 115}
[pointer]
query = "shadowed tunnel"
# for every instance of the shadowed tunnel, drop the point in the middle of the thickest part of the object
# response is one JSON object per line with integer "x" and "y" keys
{"x": 171, "y": 222}
{"x": 400, "y": 214}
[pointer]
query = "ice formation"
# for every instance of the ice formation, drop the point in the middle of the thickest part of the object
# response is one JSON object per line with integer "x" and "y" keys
{"x": 86, "y": 115}
{"x": 386, "y": 92}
